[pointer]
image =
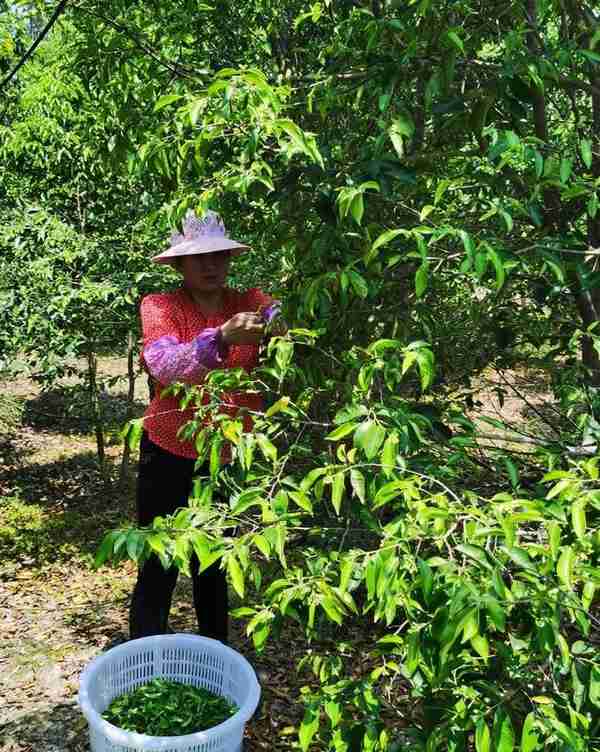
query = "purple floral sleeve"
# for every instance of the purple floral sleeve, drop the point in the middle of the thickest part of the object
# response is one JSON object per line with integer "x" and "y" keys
{"x": 168, "y": 360}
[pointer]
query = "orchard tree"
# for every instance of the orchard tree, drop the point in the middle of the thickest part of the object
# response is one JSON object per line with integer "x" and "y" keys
{"x": 419, "y": 182}
{"x": 76, "y": 235}
{"x": 427, "y": 173}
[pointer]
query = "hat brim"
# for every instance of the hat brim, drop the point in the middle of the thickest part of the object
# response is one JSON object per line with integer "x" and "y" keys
{"x": 198, "y": 247}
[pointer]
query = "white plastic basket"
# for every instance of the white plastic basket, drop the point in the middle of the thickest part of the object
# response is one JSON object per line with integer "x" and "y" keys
{"x": 189, "y": 659}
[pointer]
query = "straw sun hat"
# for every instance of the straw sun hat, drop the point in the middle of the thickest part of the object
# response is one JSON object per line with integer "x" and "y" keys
{"x": 200, "y": 235}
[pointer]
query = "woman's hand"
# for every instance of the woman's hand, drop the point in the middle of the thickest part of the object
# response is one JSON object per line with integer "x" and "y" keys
{"x": 243, "y": 329}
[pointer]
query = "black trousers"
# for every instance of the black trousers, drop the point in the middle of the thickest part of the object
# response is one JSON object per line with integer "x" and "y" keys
{"x": 164, "y": 485}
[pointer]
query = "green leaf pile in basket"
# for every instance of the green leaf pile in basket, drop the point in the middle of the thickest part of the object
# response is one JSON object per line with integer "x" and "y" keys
{"x": 168, "y": 708}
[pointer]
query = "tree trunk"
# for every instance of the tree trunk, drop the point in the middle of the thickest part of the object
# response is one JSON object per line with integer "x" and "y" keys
{"x": 124, "y": 470}
{"x": 96, "y": 409}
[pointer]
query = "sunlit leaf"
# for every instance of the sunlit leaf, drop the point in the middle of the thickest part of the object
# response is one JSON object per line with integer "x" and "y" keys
{"x": 369, "y": 437}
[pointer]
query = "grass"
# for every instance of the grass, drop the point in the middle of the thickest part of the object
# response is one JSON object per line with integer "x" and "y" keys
{"x": 11, "y": 412}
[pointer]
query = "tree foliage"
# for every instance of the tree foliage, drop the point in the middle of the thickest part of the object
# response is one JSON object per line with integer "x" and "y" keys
{"x": 419, "y": 182}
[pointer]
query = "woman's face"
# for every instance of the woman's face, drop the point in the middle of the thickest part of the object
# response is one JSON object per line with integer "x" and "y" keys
{"x": 205, "y": 272}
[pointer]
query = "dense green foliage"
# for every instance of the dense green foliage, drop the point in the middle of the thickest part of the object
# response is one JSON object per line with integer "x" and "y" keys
{"x": 419, "y": 181}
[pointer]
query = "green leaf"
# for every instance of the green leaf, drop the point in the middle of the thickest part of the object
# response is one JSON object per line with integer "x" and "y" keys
{"x": 566, "y": 166}
{"x": 503, "y": 732}
{"x": 508, "y": 220}
{"x": 346, "y": 571}
{"x": 481, "y": 263}
{"x": 358, "y": 282}
{"x": 587, "y": 596}
{"x": 389, "y": 453}
{"x": 520, "y": 558}
{"x": 397, "y": 142}
{"x": 442, "y": 187}
{"x": 564, "y": 567}
{"x": 268, "y": 449}
{"x": 384, "y": 100}
{"x": 512, "y": 471}
{"x": 105, "y": 549}
{"x": 337, "y": 490}
{"x": 498, "y": 583}
{"x": 498, "y": 266}
{"x": 389, "y": 491}
{"x": 585, "y": 147}
{"x": 260, "y": 635}
{"x": 132, "y": 432}
{"x": 350, "y": 412}
{"x": 384, "y": 238}
{"x": 243, "y": 612}
{"x": 308, "y": 728}
{"x": 334, "y": 712}
{"x": 357, "y": 481}
{"x": 476, "y": 553}
{"x": 236, "y": 574}
{"x": 421, "y": 279}
{"x": 593, "y": 56}
{"x": 196, "y": 109}
{"x": 135, "y": 544}
{"x": 357, "y": 208}
{"x": 495, "y": 612}
{"x": 369, "y": 436}
{"x": 404, "y": 125}
{"x": 425, "y": 363}
{"x": 426, "y": 579}
{"x": 166, "y": 100}
{"x": 555, "y": 265}
{"x": 248, "y": 498}
{"x": 284, "y": 353}
{"x": 554, "y": 537}
{"x": 331, "y": 608}
{"x": 300, "y": 140}
{"x": 426, "y": 211}
{"x": 483, "y": 739}
{"x": 529, "y": 739}
{"x": 561, "y": 486}
{"x": 569, "y": 737}
{"x": 594, "y": 689}
{"x": 301, "y": 500}
{"x": 277, "y": 407}
{"x": 263, "y": 544}
{"x": 480, "y": 644}
{"x": 578, "y": 518}
{"x": 215, "y": 457}
{"x": 456, "y": 41}
{"x": 311, "y": 478}
{"x": 539, "y": 164}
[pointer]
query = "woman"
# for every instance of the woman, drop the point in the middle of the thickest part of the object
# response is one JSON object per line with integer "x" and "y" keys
{"x": 200, "y": 326}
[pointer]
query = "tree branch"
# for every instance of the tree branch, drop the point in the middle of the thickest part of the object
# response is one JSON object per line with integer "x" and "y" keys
{"x": 174, "y": 68}
{"x": 44, "y": 33}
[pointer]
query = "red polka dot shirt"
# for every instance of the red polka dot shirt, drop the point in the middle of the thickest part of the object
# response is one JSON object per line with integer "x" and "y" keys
{"x": 173, "y": 322}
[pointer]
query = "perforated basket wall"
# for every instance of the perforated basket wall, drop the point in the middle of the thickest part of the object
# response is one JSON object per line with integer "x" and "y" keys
{"x": 185, "y": 658}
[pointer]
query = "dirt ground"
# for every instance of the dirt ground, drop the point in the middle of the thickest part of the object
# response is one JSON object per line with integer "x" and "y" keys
{"x": 57, "y": 612}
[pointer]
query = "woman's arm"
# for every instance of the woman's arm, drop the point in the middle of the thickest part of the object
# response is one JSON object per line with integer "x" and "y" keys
{"x": 166, "y": 358}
